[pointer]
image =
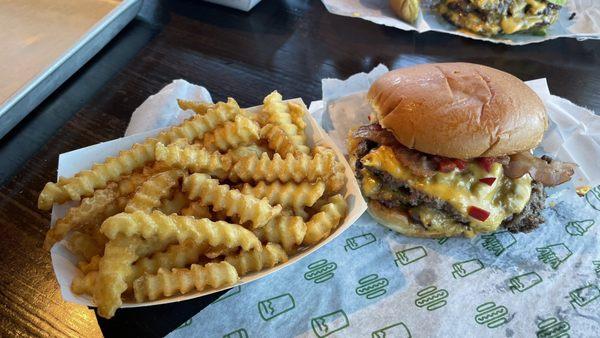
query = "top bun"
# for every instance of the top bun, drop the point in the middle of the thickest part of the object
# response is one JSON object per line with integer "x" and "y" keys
{"x": 459, "y": 110}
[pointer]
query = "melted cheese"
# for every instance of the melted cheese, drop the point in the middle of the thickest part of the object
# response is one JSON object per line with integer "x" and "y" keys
{"x": 461, "y": 189}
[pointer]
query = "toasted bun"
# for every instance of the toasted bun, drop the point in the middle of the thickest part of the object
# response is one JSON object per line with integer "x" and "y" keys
{"x": 459, "y": 110}
{"x": 400, "y": 222}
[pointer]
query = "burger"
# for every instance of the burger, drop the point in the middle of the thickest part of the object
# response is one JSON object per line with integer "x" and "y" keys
{"x": 492, "y": 17}
{"x": 448, "y": 152}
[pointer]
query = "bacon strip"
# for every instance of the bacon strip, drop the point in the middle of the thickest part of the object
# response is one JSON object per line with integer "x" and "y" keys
{"x": 544, "y": 170}
{"x": 419, "y": 163}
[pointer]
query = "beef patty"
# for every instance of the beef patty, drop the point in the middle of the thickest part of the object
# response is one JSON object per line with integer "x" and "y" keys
{"x": 404, "y": 196}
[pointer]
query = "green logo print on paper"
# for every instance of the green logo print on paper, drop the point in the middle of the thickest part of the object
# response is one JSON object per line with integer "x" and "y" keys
{"x": 491, "y": 315}
{"x": 431, "y": 298}
{"x": 398, "y": 330}
{"x": 584, "y": 295}
{"x": 553, "y": 328}
{"x": 359, "y": 241}
{"x": 593, "y": 198}
{"x": 329, "y": 323}
{"x": 524, "y": 282}
{"x": 498, "y": 242}
{"x": 239, "y": 333}
{"x": 234, "y": 291}
{"x": 597, "y": 268}
{"x": 372, "y": 286}
{"x": 184, "y": 324}
{"x": 410, "y": 255}
{"x": 442, "y": 240}
{"x": 579, "y": 228}
{"x": 463, "y": 269}
{"x": 554, "y": 255}
{"x": 320, "y": 271}
{"x": 273, "y": 307}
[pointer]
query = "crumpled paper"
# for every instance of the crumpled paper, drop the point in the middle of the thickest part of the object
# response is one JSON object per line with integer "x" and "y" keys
{"x": 584, "y": 25}
{"x": 371, "y": 281}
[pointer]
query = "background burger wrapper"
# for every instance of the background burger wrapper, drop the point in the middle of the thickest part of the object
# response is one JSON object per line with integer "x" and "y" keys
{"x": 372, "y": 282}
{"x": 584, "y": 25}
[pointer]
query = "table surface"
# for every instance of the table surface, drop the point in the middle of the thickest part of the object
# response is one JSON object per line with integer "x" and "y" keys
{"x": 285, "y": 45}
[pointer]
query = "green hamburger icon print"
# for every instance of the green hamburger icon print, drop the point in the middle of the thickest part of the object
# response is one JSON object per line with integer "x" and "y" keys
{"x": 356, "y": 242}
{"x": 524, "y": 282}
{"x": 239, "y": 333}
{"x": 593, "y": 198}
{"x": 498, "y": 242}
{"x": 320, "y": 271}
{"x": 597, "y": 267}
{"x": 554, "y": 255}
{"x": 468, "y": 267}
{"x": 329, "y": 323}
{"x": 372, "y": 286}
{"x": 579, "y": 228}
{"x": 410, "y": 255}
{"x": 276, "y": 306}
{"x": 398, "y": 330}
{"x": 491, "y": 315}
{"x": 553, "y": 328}
{"x": 431, "y": 298}
{"x": 442, "y": 240}
{"x": 584, "y": 295}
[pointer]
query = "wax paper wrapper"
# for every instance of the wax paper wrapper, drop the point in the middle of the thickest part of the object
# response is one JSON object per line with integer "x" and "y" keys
{"x": 157, "y": 112}
{"x": 584, "y": 25}
{"x": 373, "y": 282}
{"x": 242, "y": 5}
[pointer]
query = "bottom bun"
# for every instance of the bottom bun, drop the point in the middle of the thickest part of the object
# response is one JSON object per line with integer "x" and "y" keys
{"x": 400, "y": 221}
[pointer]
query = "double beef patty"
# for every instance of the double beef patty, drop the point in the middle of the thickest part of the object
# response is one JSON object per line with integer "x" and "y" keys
{"x": 403, "y": 196}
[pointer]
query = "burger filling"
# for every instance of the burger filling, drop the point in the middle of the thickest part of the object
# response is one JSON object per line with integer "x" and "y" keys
{"x": 492, "y": 17}
{"x": 451, "y": 196}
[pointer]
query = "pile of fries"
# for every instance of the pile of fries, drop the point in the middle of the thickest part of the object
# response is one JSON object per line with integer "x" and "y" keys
{"x": 221, "y": 195}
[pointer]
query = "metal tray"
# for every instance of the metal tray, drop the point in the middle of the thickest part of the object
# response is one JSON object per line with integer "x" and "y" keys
{"x": 45, "y": 42}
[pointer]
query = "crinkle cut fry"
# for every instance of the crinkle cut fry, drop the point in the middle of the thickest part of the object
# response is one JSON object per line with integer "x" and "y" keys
{"x": 289, "y": 231}
{"x": 292, "y": 168}
{"x": 276, "y": 112}
{"x": 280, "y": 142}
{"x": 197, "y": 210}
{"x": 101, "y": 204}
{"x": 329, "y": 217}
{"x": 194, "y": 158}
{"x": 181, "y": 228}
{"x": 113, "y": 268}
{"x": 243, "y": 131}
{"x": 255, "y": 260}
{"x": 150, "y": 193}
{"x": 209, "y": 192}
{"x": 83, "y": 245}
{"x": 176, "y": 256}
{"x": 297, "y": 112}
{"x": 288, "y": 195}
{"x": 167, "y": 283}
{"x": 116, "y": 268}
{"x": 175, "y": 204}
{"x": 84, "y": 182}
{"x": 243, "y": 151}
{"x": 198, "y": 107}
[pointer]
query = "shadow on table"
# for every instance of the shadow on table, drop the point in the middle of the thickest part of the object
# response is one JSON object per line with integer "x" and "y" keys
{"x": 153, "y": 321}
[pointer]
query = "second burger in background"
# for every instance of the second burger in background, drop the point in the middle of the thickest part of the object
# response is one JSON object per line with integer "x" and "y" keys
{"x": 448, "y": 152}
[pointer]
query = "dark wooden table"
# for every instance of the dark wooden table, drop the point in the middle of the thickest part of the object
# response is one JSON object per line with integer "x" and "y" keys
{"x": 284, "y": 45}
